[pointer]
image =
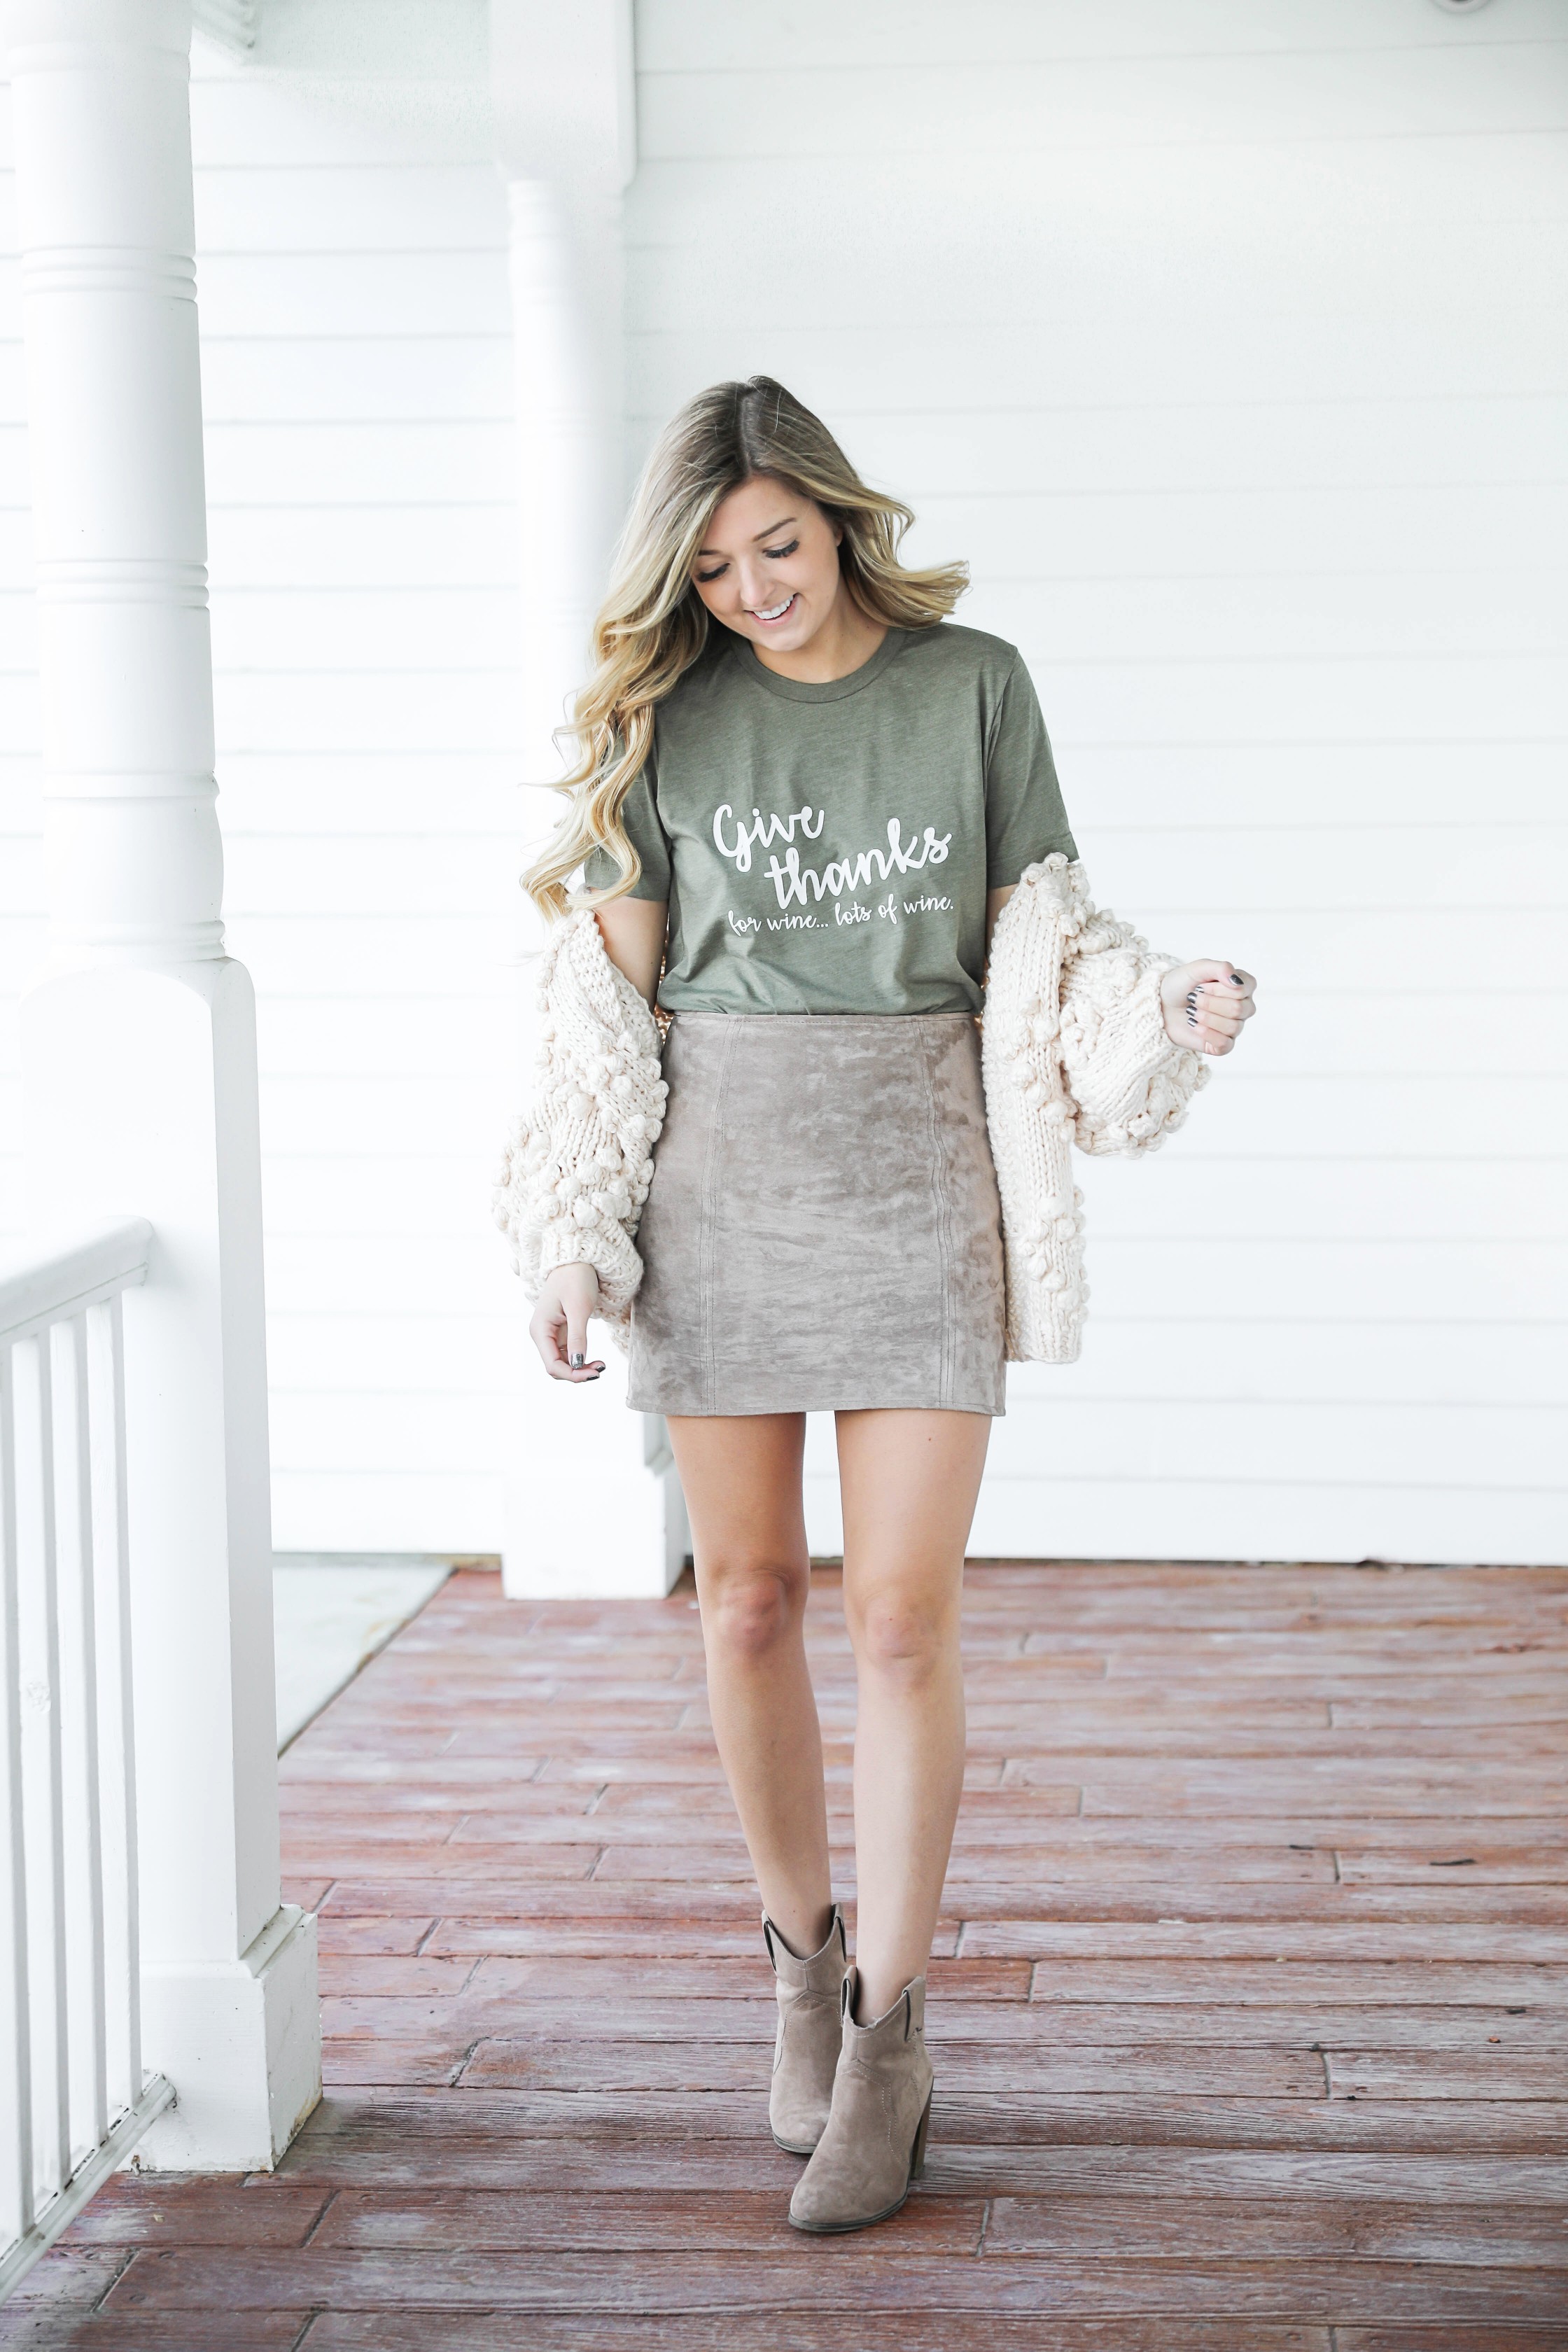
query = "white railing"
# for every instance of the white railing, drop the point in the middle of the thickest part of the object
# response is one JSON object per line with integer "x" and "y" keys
{"x": 73, "y": 2097}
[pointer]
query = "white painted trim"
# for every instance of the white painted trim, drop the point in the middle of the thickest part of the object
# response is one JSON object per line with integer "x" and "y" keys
{"x": 46, "y": 1285}
{"x": 242, "y": 2038}
{"x": 84, "y": 2184}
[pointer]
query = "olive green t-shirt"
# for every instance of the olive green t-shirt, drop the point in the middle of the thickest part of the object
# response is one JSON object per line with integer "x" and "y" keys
{"x": 828, "y": 848}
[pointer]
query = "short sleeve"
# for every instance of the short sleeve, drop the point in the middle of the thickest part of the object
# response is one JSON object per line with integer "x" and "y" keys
{"x": 1025, "y": 819}
{"x": 639, "y": 815}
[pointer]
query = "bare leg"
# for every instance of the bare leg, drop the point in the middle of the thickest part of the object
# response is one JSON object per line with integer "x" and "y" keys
{"x": 910, "y": 1483}
{"x": 740, "y": 1476}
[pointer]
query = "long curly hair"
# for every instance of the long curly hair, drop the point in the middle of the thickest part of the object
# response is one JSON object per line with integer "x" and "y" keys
{"x": 652, "y": 625}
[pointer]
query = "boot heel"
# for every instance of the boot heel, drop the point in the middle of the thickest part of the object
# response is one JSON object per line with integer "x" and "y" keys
{"x": 918, "y": 2153}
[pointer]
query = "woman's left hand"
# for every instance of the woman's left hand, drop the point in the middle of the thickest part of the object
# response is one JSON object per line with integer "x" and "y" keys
{"x": 1205, "y": 1004}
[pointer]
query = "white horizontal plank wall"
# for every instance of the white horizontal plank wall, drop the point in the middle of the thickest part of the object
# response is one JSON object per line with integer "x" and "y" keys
{"x": 359, "y": 433}
{"x": 1226, "y": 338}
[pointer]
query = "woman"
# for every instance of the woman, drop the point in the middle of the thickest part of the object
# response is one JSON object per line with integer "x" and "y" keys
{"x": 799, "y": 828}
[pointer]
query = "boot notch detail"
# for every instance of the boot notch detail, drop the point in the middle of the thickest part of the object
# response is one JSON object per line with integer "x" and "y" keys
{"x": 810, "y": 1991}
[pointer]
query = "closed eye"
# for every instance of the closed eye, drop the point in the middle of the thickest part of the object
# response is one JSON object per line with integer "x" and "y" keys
{"x": 773, "y": 555}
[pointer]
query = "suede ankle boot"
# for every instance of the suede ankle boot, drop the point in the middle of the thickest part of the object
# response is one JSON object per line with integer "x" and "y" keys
{"x": 806, "y": 2051}
{"x": 875, "y": 2143}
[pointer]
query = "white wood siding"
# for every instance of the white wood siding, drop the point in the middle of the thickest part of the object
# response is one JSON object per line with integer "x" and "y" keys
{"x": 357, "y": 355}
{"x": 1226, "y": 338}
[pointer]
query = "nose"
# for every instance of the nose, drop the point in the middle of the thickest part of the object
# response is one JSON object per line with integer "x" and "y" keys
{"x": 753, "y": 581}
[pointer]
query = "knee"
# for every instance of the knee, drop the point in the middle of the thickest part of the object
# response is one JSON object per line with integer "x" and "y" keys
{"x": 905, "y": 1640}
{"x": 748, "y": 1609}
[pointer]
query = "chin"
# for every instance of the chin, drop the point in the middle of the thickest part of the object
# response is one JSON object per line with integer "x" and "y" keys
{"x": 790, "y": 640}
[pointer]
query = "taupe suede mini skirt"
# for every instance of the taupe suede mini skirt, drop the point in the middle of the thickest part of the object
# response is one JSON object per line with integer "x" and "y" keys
{"x": 823, "y": 1230}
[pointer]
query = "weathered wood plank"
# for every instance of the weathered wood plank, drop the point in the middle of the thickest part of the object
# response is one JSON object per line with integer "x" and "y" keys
{"x": 1008, "y": 1812}
{"x": 1471, "y": 2074}
{"x": 355, "y": 1973}
{"x": 964, "y": 2118}
{"x": 625, "y": 2015}
{"x": 1345, "y": 1788}
{"x": 1499, "y": 2184}
{"x": 813, "y": 2330}
{"x": 1482, "y": 1861}
{"x": 635, "y": 2163}
{"x": 363, "y": 1858}
{"x": 1409, "y": 1983}
{"x": 864, "y": 2278}
{"x": 77, "y": 2275}
{"x": 150, "y": 2208}
{"x": 681, "y": 2222}
{"x": 1190, "y": 2229}
{"x": 502, "y": 1970}
{"x": 1431, "y": 1941}
{"x": 702, "y": 2066}
{"x": 423, "y": 2059}
{"x": 514, "y": 1891}
{"x": 30, "y": 2327}
{"x": 1517, "y": 2337}
{"x": 1053, "y": 1900}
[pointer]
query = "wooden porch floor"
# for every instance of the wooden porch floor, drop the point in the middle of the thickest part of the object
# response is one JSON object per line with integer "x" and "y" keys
{"x": 1250, "y": 2017}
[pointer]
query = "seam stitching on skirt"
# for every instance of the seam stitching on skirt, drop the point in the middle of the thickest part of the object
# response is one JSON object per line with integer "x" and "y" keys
{"x": 943, "y": 1216}
{"x": 709, "y": 1215}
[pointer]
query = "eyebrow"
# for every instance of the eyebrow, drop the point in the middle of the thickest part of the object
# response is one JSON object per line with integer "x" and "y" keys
{"x": 772, "y": 531}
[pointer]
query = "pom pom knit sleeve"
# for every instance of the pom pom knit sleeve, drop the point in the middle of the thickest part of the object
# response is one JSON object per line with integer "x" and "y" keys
{"x": 576, "y": 1170}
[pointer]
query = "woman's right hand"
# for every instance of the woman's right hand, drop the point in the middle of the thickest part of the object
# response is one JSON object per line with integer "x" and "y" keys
{"x": 559, "y": 1324}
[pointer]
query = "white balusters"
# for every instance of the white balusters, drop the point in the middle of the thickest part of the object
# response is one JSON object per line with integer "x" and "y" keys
{"x": 72, "y": 2097}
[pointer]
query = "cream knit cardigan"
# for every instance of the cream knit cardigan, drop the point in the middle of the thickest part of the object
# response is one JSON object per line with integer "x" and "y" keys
{"x": 1074, "y": 1051}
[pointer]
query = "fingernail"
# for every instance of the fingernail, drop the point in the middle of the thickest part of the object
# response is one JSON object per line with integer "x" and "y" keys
{"x": 1191, "y": 1020}
{"x": 1236, "y": 980}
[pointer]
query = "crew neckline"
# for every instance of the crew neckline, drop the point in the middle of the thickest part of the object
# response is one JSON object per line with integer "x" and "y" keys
{"x": 833, "y": 689}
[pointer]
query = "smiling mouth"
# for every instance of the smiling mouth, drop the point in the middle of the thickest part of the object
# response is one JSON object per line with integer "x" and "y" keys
{"x": 774, "y": 612}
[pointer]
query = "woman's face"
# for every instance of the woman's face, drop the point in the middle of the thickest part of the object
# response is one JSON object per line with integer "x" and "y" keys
{"x": 768, "y": 565}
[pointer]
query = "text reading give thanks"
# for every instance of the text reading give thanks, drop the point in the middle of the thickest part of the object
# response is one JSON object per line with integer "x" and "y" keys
{"x": 735, "y": 840}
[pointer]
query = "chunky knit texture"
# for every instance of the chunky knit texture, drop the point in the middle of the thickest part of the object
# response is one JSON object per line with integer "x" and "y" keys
{"x": 1075, "y": 1051}
{"x": 576, "y": 1171}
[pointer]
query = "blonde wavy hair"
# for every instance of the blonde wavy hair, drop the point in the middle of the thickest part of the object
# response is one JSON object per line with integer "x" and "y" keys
{"x": 653, "y": 625}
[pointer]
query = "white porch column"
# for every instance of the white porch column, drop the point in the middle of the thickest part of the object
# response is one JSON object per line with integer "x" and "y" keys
{"x": 594, "y": 1506}
{"x": 139, "y": 1042}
